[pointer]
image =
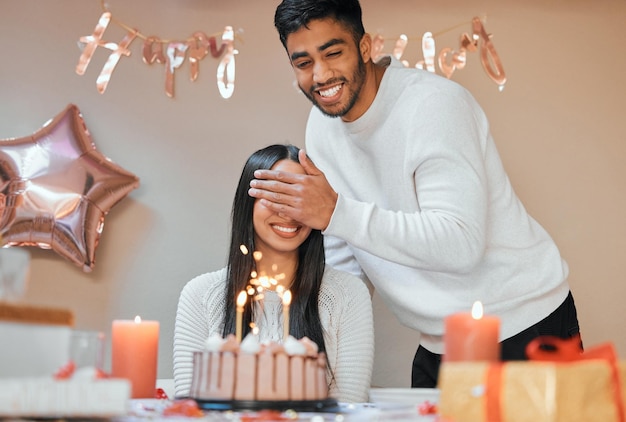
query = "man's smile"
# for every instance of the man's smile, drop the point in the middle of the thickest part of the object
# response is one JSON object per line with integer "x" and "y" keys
{"x": 330, "y": 92}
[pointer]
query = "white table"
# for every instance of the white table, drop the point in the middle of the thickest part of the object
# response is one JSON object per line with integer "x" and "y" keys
{"x": 141, "y": 410}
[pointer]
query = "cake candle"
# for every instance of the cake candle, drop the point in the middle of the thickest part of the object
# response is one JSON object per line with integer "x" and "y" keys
{"x": 471, "y": 337}
{"x": 241, "y": 301}
{"x": 286, "y": 303}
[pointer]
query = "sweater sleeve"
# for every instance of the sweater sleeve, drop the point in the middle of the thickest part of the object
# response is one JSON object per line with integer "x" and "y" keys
{"x": 199, "y": 314}
{"x": 346, "y": 310}
{"x": 433, "y": 214}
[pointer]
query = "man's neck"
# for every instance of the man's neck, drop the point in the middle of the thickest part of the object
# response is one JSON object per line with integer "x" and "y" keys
{"x": 373, "y": 76}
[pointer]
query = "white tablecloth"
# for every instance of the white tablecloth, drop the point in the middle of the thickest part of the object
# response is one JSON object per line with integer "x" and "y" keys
{"x": 141, "y": 410}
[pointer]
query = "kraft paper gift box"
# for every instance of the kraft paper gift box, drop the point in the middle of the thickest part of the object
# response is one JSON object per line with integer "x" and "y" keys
{"x": 583, "y": 387}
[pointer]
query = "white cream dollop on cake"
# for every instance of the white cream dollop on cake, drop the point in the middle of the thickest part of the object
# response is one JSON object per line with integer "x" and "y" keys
{"x": 250, "y": 344}
{"x": 294, "y": 347}
{"x": 214, "y": 343}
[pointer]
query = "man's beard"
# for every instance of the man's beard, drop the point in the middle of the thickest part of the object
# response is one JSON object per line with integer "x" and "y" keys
{"x": 354, "y": 85}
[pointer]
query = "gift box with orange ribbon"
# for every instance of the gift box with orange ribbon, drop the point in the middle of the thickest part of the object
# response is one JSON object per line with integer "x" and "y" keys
{"x": 558, "y": 383}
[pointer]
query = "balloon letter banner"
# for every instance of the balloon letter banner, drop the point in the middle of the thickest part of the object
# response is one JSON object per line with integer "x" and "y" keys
{"x": 198, "y": 47}
{"x": 56, "y": 188}
{"x": 450, "y": 59}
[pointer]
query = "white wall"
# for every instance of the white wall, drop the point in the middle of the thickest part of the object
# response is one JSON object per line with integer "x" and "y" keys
{"x": 559, "y": 126}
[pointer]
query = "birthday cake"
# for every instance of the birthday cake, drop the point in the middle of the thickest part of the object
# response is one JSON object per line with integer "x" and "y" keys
{"x": 252, "y": 374}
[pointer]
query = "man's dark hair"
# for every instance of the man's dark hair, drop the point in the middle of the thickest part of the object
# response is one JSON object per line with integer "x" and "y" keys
{"x": 292, "y": 15}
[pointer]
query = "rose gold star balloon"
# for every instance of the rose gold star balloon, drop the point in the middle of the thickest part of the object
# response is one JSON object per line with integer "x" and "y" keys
{"x": 56, "y": 188}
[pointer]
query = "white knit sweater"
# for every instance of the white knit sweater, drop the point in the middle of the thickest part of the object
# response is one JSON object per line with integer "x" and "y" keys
{"x": 427, "y": 212}
{"x": 345, "y": 313}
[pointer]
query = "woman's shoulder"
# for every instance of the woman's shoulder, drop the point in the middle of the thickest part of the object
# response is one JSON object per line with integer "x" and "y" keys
{"x": 337, "y": 282}
{"x": 207, "y": 282}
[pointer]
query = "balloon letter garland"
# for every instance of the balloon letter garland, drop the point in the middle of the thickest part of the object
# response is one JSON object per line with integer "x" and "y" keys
{"x": 448, "y": 59}
{"x": 197, "y": 47}
{"x": 56, "y": 188}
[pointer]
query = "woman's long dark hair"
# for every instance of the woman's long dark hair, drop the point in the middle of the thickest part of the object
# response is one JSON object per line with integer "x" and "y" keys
{"x": 304, "y": 312}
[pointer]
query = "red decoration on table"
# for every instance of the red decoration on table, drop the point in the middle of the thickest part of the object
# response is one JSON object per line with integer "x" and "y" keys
{"x": 427, "y": 408}
{"x": 188, "y": 408}
{"x": 134, "y": 355}
{"x": 100, "y": 374}
{"x": 65, "y": 372}
{"x": 471, "y": 337}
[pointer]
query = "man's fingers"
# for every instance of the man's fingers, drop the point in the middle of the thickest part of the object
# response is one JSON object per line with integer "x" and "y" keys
{"x": 281, "y": 210}
{"x": 272, "y": 190}
{"x": 272, "y": 205}
{"x": 307, "y": 164}
{"x": 269, "y": 197}
{"x": 278, "y": 176}
{"x": 261, "y": 193}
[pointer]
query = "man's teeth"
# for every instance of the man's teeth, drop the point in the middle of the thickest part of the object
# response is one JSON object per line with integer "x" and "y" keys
{"x": 286, "y": 229}
{"x": 331, "y": 91}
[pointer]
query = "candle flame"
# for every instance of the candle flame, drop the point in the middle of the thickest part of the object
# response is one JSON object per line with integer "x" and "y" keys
{"x": 287, "y": 298}
{"x": 477, "y": 310}
{"x": 241, "y": 299}
{"x": 243, "y": 249}
{"x": 257, "y": 255}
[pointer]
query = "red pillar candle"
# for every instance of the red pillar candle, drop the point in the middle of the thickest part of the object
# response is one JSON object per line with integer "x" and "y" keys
{"x": 134, "y": 352}
{"x": 471, "y": 337}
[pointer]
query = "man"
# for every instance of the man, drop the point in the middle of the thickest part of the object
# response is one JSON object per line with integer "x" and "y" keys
{"x": 410, "y": 192}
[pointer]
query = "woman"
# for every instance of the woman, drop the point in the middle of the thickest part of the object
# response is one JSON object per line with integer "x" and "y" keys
{"x": 330, "y": 307}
